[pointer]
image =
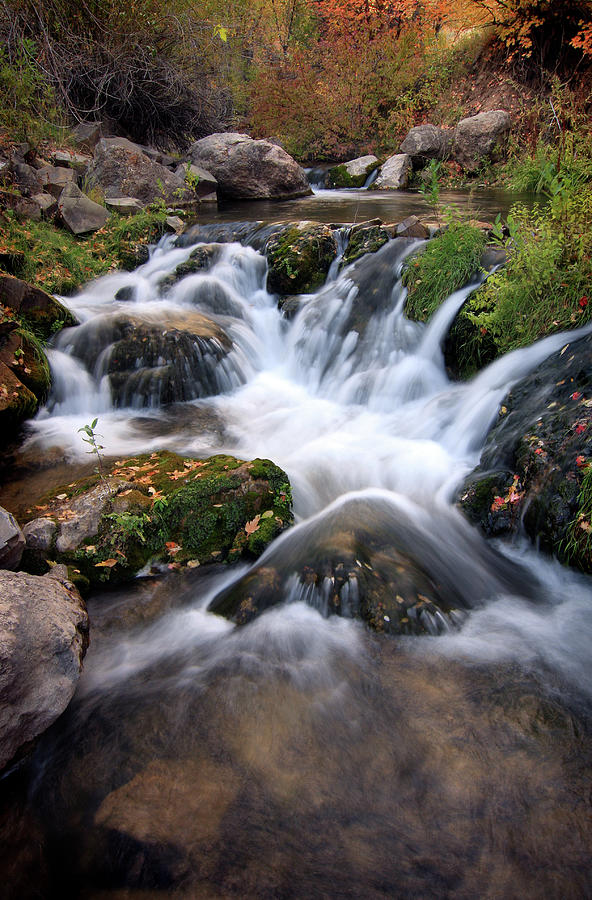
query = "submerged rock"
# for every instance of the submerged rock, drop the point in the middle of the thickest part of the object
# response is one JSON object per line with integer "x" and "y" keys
{"x": 374, "y": 560}
{"x": 43, "y": 639}
{"x": 299, "y": 258}
{"x": 532, "y": 475}
{"x": 172, "y": 510}
{"x": 249, "y": 170}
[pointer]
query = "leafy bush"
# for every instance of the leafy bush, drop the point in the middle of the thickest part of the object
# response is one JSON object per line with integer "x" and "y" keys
{"x": 27, "y": 103}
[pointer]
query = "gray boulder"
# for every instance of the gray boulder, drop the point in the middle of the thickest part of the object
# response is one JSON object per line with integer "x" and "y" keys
{"x": 478, "y": 137}
{"x": 55, "y": 178}
{"x": 12, "y": 541}
{"x": 394, "y": 173}
{"x": 27, "y": 179}
{"x": 206, "y": 186}
{"x": 87, "y": 134}
{"x": 125, "y": 206}
{"x": 426, "y": 142}
{"x": 47, "y": 204}
{"x": 43, "y": 639}
{"x": 67, "y": 160}
{"x": 79, "y": 213}
{"x": 248, "y": 169}
{"x": 122, "y": 169}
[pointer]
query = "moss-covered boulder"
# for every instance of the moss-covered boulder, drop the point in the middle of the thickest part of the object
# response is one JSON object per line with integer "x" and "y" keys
{"x": 534, "y": 472}
{"x": 200, "y": 260}
{"x": 352, "y": 174}
{"x": 163, "y": 508}
{"x": 299, "y": 258}
{"x": 365, "y": 238}
{"x": 24, "y": 374}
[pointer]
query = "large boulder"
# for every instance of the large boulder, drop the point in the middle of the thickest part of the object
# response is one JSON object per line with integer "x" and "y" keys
{"x": 43, "y": 639}
{"x": 394, "y": 173}
{"x": 81, "y": 214}
{"x": 533, "y": 468}
{"x": 122, "y": 169}
{"x": 203, "y": 182}
{"x": 247, "y": 169}
{"x": 352, "y": 174}
{"x": 426, "y": 142}
{"x": 55, "y": 178}
{"x": 160, "y": 507}
{"x": 299, "y": 258}
{"x": 478, "y": 137}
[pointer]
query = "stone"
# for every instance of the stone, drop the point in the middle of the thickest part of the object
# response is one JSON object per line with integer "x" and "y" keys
{"x": 411, "y": 227}
{"x": 47, "y": 205}
{"x": 87, "y": 134}
{"x": 43, "y": 639}
{"x": 41, "y": 312}
{"x": 40, "y": 534}
{"x": 394, "y": 173}
{"x": 215, "y": 510}
{"x": 365, "y": 238}
{"x": 426, "y": 142}
{"x": 12, "y": 541}
{"x": 478, "y": 137}
{"x": 175, "y": 224}
{"x": 206, "y": 186}
{"x": 125, "y": 206}
{"x": 122, "y": 169}
{"x": 299, "y": 258}
{"x": 533, "y": 463}
{"x": 79, "y": 213}
{"x": 55, "y": 179}
{"x": 249, "y": 169}
{"x": 27, "y": 208}
{"x": 353, "y": 173}
{"x": 27, "y": 179}
{"x": 77, "y": 161}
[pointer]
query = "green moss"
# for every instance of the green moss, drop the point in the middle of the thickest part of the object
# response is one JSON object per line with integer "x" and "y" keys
{"x": 365, "y": 240}
{"x": 299, "y": 259}
{"x": 339, "y": 177}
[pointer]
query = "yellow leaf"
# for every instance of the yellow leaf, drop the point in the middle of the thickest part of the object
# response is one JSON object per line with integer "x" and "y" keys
{"x": 107, "y": 564}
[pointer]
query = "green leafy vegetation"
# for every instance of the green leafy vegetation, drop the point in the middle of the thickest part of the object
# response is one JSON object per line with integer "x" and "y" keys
{"x": 447, "y": 263}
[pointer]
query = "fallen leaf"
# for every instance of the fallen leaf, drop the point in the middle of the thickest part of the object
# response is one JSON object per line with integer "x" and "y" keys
{"x": 107, "y": 563}
{"x": 267, "y": 514}
{"x": 61, "y": 497}
{"x": 253, "y": 525}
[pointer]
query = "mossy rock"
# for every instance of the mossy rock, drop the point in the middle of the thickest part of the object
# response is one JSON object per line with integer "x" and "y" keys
{"x": 38, "y": 311}
{"x": 339, "y": 177}
{"x": 299, "y": 258}
{"x": 365, "y": 239}
{"x": 166, "y": 509}
{"x": 200, "y": 260}
{"x": 533, "y": 472}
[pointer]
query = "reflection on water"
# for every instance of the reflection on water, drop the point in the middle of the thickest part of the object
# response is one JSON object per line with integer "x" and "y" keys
{"x": 359, "y": 206}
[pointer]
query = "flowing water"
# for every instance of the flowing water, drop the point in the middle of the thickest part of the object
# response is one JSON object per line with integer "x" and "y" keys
{"x": 302, "y": 756}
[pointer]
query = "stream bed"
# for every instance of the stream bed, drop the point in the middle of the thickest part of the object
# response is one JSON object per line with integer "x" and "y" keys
{"x": 302, "y": 755}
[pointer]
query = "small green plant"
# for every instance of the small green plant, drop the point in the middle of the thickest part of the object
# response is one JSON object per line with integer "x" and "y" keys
{"x": 191, "y": 178}
{"x": 95, "y": 448}
{"x": 576, "y": 549}
{"x": 431, "y": 187}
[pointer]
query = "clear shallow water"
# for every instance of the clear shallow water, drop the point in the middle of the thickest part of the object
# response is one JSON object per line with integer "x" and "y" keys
{"x": 361, "y": 205}
{"x": 301, "y": 756}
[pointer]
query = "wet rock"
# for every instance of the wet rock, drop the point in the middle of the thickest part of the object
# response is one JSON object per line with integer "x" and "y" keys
{"x": 364, "y": 239}
{"x": 394, "y": 173}
{"x": 478, "y": 137}
{"x": 12, "y": 541}
{"x": 375, "y": 561}
{"x": 299, "y": 258}
{"x": 248, "y": 169}
{"x": 17, "y": 403}
{"x": 200, "y": 260}
{"x": 532, "y": 471}
{"x": 151, "y": 363}
{"x": 164, "y": 508}
{"x": 43, "y": 639}
{"x": 426, "y": 142}
{"x": 79, "y": 213}
{"x": 122, "y": 169}
{"x": 352, "y": 174}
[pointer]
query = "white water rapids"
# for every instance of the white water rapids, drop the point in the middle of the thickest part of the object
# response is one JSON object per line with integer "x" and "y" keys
{"x": 349, "y": 397}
